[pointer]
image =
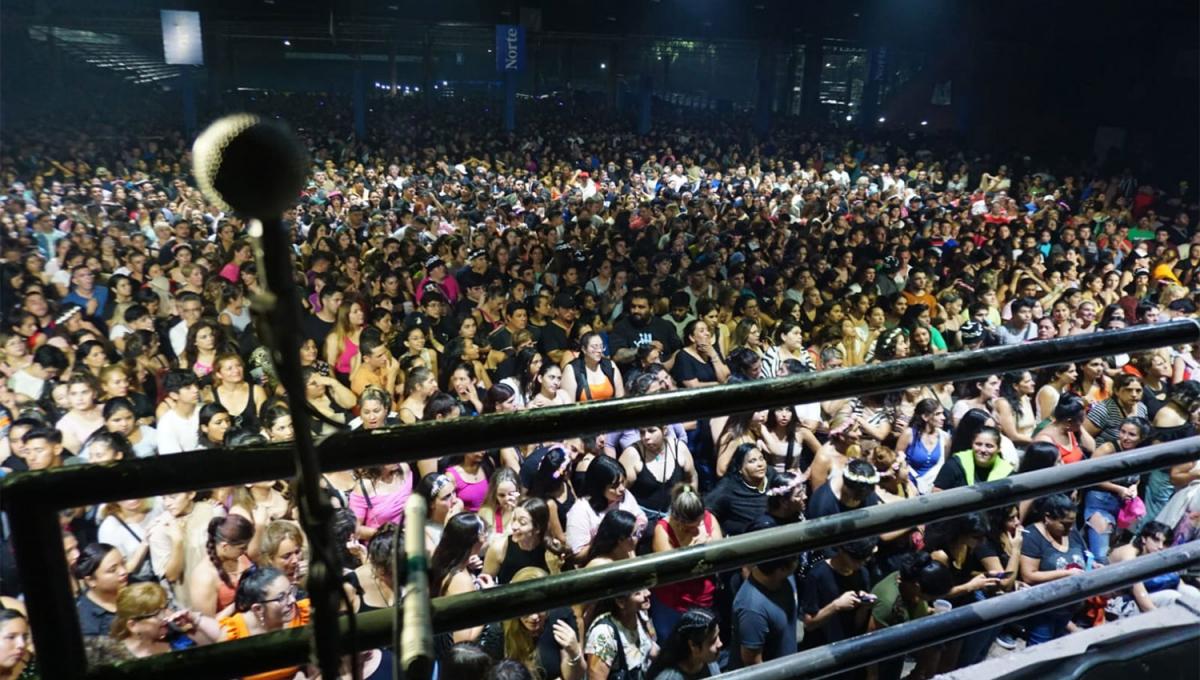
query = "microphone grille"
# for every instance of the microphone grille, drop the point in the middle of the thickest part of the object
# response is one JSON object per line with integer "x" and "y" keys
{"x": 250, "y": 165}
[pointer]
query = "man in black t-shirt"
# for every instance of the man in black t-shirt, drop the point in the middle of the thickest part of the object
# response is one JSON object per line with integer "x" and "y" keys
{"x": 557, "y": 336}
{"x": 853, "y": 489}
{"x": 837, "y": 595}
{"x": 318, "y": 325}
{"x": 640, "y": 327}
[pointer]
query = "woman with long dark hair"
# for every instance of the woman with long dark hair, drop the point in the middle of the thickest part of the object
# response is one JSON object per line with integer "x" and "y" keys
{"x": 1056, "y": 381}
{"x": 925, "y": 443}
{"x": 1052, "y": 549}
{"x": 1066, "y": 430}
{"x": 620, "y": 638}
{"x": 1102, "y": 503}
{"x": 524, "y": 379}
{"x": 527, "y": 544}
{"x": 741, "y": 495}
{"x": 551, "y": 483}
{"x": 450, "y": 571}
{"x": 1014, "y": 409}
{"x": 374, "y": 578}
{"x": 616, "y": 539}
{"x": 604, "y": 491}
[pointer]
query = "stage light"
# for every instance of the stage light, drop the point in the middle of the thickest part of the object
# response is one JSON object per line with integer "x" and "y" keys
{"x": 849, "y": 117}
{"x": 444, "y": 83}
{"x": 924, "y": 122}
{"x": 882, "y": 119}
{"x": 287, "y": 43}
{"x": 603, "y": 65}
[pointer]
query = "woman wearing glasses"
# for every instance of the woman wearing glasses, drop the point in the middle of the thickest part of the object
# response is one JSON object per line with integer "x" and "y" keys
{"x": 265, "y": 602}
{"x": 145, "y": 626}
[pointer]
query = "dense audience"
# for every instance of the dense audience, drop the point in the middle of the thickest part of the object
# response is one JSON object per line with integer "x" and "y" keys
{"x": 450, "y": 272}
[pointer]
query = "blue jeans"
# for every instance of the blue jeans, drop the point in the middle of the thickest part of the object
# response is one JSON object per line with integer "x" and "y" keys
{"x": 975, "y": 646}
{"x": 1043, "y": 628}
{"x": 664, "y": 617}
{"x": 1107, "y": 505}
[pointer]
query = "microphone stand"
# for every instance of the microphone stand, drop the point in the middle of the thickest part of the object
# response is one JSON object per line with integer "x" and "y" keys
{"x": 280, "y": 304}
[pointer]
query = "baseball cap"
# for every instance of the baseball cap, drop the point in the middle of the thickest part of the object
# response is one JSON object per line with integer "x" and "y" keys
{"x": 565, "y": 300}
{"x": 972, "y": 332}
{"x": 478, "y": 252}
{"x": 433, "y": 262}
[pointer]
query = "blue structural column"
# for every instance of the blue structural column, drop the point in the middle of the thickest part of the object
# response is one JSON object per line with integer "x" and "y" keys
{"x": 360, "y": 103}
{"x": 645, "y": 101}
{"x": 810, "y": 88}
{"x": 876, "y": 77}
{"x": 510, "y": 100}
{"x": 766, "y": 89}
{"x": 187, "y": 88}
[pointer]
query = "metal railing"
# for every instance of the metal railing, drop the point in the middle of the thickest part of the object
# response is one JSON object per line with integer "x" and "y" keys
{"x": 33, "y": 499}
{"x": 864, "y": 650}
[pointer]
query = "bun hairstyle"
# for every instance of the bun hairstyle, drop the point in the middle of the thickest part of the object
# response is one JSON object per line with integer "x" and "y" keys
{"x": 89, "y": 559}
{"x": 686, "y": 504}
{"x": 934, "y": 578}
{"x": 381, "y": 548}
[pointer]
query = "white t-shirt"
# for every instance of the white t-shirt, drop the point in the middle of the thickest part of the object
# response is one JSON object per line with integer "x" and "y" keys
{"x": 126, "y": 540}
{"x": 583, "y": 521}
{"x": 176, "y": 433}
{"x": 26, "y": 384}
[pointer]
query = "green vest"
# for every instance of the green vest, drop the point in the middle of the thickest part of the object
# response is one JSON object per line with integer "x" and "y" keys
{"x": 1000, "y": 468}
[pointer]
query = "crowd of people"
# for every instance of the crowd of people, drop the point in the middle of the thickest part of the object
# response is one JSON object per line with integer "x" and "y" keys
{"x": 450, "y": 271}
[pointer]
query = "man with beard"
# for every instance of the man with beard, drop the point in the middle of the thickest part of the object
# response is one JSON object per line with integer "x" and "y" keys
{"x": 639, "y": 327}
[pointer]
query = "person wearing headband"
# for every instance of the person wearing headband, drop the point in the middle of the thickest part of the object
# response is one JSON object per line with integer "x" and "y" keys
{"x": 853, "y": 489}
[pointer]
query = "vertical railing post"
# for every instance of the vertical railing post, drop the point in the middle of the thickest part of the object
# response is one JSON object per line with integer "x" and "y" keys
{"x": 36, "y": 534}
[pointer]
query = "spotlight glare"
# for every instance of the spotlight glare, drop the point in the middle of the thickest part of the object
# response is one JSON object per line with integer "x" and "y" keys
{"x": 924, "y": 122}
{"x": 603, "y": 65}
{"x": 848, "y": 117}
{"x": 882, "y": 119}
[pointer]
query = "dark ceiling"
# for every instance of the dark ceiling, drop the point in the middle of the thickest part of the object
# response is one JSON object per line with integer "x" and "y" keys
{"x": 897, "y": 22}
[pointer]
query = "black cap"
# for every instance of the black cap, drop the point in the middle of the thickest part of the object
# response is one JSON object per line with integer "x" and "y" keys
{"x": 565, "y": 300}
{"x": 434, "y": 262}
{"x": 971, "y": 332}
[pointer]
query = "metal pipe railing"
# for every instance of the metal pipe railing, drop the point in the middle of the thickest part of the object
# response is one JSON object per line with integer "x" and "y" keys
{"x": 91, "y": 484}
{"x": 28, "y": 497}
{"x": 374, "y": 629}
{"x": 43, "y": 565}
{"x": 880, "y": 645}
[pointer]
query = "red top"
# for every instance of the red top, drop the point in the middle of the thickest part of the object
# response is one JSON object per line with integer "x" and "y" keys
{"x": 689, "y": 594}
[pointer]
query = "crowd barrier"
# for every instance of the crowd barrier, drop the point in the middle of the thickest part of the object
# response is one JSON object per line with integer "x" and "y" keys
{"x": 32, "y": 500}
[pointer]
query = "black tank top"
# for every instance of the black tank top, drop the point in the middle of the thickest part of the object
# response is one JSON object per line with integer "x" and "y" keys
{"x": 516, "y": 559}
{"x": 651, "y": 492}
{"x": 565, "y": 506}
{"x": 247, "y": 418}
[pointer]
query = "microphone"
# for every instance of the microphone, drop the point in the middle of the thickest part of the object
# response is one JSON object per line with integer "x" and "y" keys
{"x": 250, "y": 165}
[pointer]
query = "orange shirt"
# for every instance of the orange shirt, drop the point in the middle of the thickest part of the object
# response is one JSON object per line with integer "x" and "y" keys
{"x": 600, "y": 391}
{"x": 235, "y": 628}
